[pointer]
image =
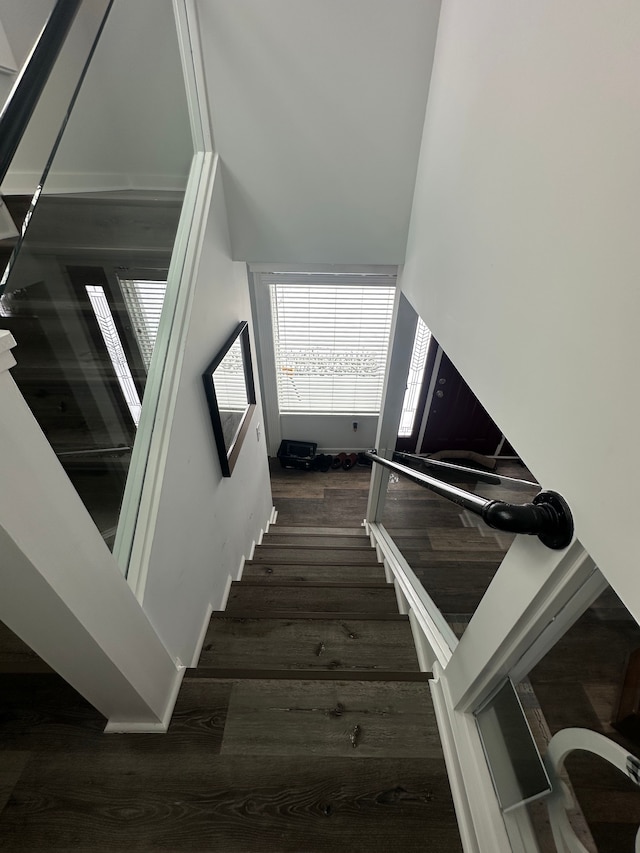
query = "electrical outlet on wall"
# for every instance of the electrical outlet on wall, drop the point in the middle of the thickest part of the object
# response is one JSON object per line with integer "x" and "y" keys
{"x": 258, "y": 432}
{"x": 355, "y": 425}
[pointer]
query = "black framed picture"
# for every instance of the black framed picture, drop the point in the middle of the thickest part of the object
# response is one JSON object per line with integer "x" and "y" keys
{"x": 228, "y": 384}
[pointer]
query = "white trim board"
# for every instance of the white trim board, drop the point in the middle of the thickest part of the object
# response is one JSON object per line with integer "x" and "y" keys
{"x": 161, "y": 727}
{"x": 480, "y": 820}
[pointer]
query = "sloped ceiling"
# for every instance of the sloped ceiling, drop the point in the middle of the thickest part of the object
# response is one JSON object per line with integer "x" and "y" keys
{"x": 317, "y": 109}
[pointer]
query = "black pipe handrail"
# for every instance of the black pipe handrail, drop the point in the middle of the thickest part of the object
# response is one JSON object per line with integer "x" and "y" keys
{"x": 22, "y": 101}
{"x": 548, "y": 516}
{"x": 485, "y": 476}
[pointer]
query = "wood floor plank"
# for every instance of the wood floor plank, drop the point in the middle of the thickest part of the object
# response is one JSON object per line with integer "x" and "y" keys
{"x": 16, "y": 656}
{"x": 230, "y": 804}
{"x": 313, "y": 574}
{"x": 346, "y": 719}
{"x": 11, "y": 766}
{"x": 265, "y": 598}
{"x": 310, "y": 556}
{"x": 44, "y": 714}
{"x": 304, "y": 644}
{"x": 464, "y": 539}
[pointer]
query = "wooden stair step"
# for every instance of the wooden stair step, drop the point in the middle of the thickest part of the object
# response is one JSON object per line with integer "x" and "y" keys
{"x": 331, "y": 584}
{"x": 206, "y": 673}
{"x": 348, "y": 719}
{"x": 310, "y": 614}
{"x": 261, "y": 598}
{"x": 308, "y": 574}
{"x": 330, "y": 542}
{"x": 295, "y": 530}
{"x": 337, "y": 645}
{"x": 313, "y": 556}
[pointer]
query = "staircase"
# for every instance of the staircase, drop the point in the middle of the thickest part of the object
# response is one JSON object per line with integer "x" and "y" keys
{"x": 307, "y": 727}
{"x": 328, "y": 706}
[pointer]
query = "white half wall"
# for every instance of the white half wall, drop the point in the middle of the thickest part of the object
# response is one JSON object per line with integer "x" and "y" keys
{"x": 61, "y": 590}
{"x": 206, "y": 523}
{"x": 523, "y": 254}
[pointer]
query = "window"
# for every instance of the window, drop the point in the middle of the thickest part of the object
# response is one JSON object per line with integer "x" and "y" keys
{"x": 414, "y": 380}
{"x": 109, "y": 332}
{"x": 331, "y": 343}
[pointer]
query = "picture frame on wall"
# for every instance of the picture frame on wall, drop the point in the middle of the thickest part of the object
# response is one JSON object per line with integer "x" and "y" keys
{"x": 231, "y": 396}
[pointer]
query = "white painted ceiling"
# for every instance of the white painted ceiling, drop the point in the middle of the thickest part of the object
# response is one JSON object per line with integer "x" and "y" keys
{"x": 317, "y": 110}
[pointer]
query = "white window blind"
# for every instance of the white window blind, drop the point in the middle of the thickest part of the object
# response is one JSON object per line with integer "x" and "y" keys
{"x": 144, "y": 301}
{"x": 109, "y": 332}
{"x": 331, "y": 345}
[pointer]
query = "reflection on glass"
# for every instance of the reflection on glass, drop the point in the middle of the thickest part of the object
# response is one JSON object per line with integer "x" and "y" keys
{"x": 231, "y": 393}
{"x": 229, "y": 387}
{"x": 86, "y": 287}
{"x": 517, "y": 771}
{"x": 591, "y": 679}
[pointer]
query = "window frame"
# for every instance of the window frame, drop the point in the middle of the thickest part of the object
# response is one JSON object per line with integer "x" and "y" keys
{"x": 260, "y": 280}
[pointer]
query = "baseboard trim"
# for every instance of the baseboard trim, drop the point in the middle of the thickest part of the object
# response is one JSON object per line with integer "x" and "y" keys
{"x": 203, "y": 634}
{"x": 240, "y": 571}
{"x": 150, "y": 727}
{"x": 225, "y": 595}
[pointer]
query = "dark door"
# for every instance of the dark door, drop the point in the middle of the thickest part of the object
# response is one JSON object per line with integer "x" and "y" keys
{"x": 456, "y": 418}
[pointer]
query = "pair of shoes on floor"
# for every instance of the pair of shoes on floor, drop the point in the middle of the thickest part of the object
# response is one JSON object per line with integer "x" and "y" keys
{"x": 322, "y": 462}
{"x": 346, "y": 461}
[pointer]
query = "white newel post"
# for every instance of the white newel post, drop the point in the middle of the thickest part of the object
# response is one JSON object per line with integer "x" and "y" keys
{"x": 61, "y": 590}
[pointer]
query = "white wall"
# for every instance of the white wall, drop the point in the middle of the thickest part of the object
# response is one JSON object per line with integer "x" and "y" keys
{"x": 333, "y": 433}
{"x": 206, "y": 523}
{"x": 523, "y": 254}
{"x": 317, "y": 111}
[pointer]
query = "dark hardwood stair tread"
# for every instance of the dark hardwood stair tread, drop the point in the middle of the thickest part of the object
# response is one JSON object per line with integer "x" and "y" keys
{"x": 311, "y": 573}
{"x": 338, "y": 645}
{"x": 312, "y": 717}
{"x": 279, "y": 541}
{"x": 294, "y": 530}
{"x": 311, "y": 614}
{"x": 265, "y": 597}
{"x": 219, "y": 673}
{"x": 321, "y": 584}
{"x": 324, "y": 556}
